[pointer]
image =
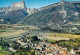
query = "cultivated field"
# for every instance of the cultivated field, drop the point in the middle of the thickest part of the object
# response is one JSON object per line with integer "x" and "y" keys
{"x": 14, "y": 32}
{"x": 59, "y": 36}
{"x": 11, "y": 33}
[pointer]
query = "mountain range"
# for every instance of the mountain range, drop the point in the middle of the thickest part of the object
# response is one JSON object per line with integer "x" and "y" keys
{"x": 59, "y": 14}
{"x": 63, "y": 13}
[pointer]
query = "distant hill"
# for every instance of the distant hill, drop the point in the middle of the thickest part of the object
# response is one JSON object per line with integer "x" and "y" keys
{"x": 55, "y": 15}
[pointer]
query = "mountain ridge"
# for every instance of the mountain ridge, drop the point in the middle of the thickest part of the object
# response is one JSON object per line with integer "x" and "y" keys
{"x": 55, "y": 15}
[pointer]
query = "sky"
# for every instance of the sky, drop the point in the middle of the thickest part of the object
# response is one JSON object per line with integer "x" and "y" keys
{"x": 31, "y": 3}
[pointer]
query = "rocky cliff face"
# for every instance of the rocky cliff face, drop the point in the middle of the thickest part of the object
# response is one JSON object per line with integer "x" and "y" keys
{"x": 19, "y": 5}
{"x": 14, "y": 13}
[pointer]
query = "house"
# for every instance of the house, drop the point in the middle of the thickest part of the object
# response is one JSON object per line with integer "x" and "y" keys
{"x": 39, "y": 47}
{"x": 72, "y": 52}
{"x": 21, "y": 43}
{"x": 11, "y": 49}
{"x": 77, "y": 52}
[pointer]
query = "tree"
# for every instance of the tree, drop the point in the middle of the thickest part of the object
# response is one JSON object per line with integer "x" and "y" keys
{"x": 35, "y": 38}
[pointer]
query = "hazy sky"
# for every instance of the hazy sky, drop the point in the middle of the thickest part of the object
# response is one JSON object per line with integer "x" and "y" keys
{"x": 31, "y": 3}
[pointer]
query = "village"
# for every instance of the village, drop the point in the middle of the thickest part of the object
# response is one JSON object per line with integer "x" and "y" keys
{"x": 44, "y": 48}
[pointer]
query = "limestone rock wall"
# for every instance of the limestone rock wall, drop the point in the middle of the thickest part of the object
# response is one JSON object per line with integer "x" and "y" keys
{"x": 19, "y": 4}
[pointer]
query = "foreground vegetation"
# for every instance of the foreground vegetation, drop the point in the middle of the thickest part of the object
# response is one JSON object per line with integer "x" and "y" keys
{"x": 20, "y": 50}
{"x": 70, "y": 44}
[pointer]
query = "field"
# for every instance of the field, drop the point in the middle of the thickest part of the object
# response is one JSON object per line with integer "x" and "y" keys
{"x": 14, "y": 32}
{"x": 11, "y": 33}
{"x": 59, "y": 36}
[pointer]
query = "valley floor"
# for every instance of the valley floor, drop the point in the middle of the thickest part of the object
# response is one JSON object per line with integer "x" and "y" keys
{"x": 24, "y": 36}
